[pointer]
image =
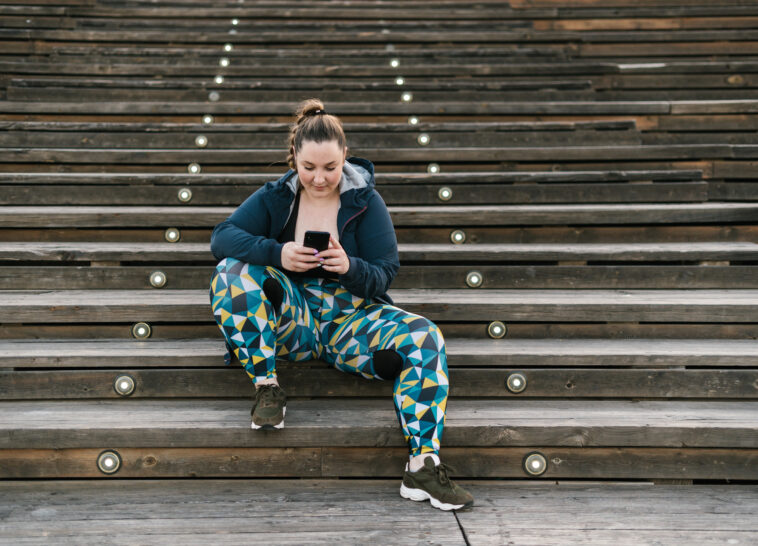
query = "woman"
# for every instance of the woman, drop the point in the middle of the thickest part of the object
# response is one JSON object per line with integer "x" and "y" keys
{"x": 273, "y": 297}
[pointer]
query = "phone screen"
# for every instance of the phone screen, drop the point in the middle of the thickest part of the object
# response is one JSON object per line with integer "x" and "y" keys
{"x": 316, "y": 239}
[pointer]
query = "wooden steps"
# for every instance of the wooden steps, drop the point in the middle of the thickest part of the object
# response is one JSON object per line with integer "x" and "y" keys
{"x": 32, "y": 306}
{"x": 330, "y": 511}
{"x": 596, "y": 160}
{"x": 504, "y": 433}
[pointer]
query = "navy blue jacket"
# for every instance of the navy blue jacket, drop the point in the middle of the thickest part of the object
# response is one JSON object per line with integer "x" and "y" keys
{"x": 365, "y": 229}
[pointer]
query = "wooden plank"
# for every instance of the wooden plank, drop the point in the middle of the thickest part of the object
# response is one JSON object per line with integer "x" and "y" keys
{"x": 307, "y": 512}
{"x": 483, "y": 154}
{"x": 623, "y": 276}
{"x": 344, "y": 108}
{"x": 468, "y": 194}
{"x": 409, "y": 252}
{"x": 461, "y": 352}
{"x": 509, "y": 305}
{"x": 562, "y": 463}
{"x": 301, "y": 462}
{"x": 464, "y": 215}
{"x": 402, "y": 178}
{"x": 225, "y": 423}
{"x": 322, "y": 381}
{"x": 334, "y": 462}
{"x": 610, "y": 514}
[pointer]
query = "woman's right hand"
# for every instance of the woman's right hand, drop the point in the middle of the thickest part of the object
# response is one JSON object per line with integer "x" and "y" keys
{"x": 299, "y": 258}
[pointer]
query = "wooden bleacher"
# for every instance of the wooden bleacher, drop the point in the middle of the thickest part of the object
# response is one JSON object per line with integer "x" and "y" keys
{"x": 579, "y": 174}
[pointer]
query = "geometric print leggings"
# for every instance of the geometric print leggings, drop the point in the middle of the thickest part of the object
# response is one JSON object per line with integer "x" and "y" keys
{"x": 320, "y": 319}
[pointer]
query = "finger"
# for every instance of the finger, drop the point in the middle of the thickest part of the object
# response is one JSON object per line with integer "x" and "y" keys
{"x": 334, "y": 242}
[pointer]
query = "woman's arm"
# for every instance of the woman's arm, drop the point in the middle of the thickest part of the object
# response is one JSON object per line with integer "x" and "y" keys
{"x": 244, "y": 235}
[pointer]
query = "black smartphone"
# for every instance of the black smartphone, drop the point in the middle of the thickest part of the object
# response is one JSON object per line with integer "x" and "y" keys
{"x": 316, "y": 239}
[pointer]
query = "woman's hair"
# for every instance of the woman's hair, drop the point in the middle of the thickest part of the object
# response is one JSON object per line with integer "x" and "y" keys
{"x": 313, "y": 123}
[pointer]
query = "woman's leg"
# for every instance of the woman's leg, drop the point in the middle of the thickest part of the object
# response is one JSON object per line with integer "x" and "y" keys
{"x": 263, "y": 316}
{"x": 385, "y": 342}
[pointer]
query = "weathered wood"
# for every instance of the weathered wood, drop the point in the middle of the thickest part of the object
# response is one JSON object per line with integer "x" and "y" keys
{"x": 342, "y": 108}
{"x": 480, "y": 154}
{"x": 481, "y": 215}
{"x": 671, "y": 192}
{"x": 306, "y": 512}
{"x": 333, "y": 462}
{"x": 510, "y": 305}
{"x": 444, "y": 276}
{"x": 218, "y": 423}
{"x": 409, "y": 252}
{"x": 461, "y": 352}
{"x": 404, "y": 178}
{"x": 322, "y": 381}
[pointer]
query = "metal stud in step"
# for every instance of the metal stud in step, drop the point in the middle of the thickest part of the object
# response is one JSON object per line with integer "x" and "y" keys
{"x": 223, "y": 61}
{"x": 433, "y": 168}
{"x": 194, "y": 168}
{"x": 413, "y": 120}
{"x": 496, "y": 329}
{"x": 219, "y": 79}
{"x": 400, "y": 80}
{"x": 214, "y": 96}
{"x": 141, "y": 330}
{"x": 172, "y": 235}
{"x": 406, "y": 97}
{"x": 474, "y": 279}
{"x": 124, "y": 385}
{"x": 516, "y": 382}
{"x": 445, "y": 193}
{"x": 158, "y": 279}
{"x": 458, "y": 237}
{"x": 535, "y": 463}
{"x": 109, "y": 462}
{"x": 184, "y": 195}
{"x": 201, "y": 141}
{"x": 228, "y": 47}
{"x": 207, "y": 119}
{"x": 423, "y": 139}
{"x": 394, "y": 63}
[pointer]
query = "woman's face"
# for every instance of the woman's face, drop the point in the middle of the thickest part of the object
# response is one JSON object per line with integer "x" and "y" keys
{"x": 319, "y": 167}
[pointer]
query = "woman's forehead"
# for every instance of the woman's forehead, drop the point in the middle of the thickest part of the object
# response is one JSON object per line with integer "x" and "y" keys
{"x": 324, "y": 152}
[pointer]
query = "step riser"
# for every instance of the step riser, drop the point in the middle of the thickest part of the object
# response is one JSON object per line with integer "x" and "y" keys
{"x": 234, "y": 383}
{"x": 332, "y": 462}
{"x": 432, "y": 276}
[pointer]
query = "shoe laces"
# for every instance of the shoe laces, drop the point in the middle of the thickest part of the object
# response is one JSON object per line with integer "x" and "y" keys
{"x": 266, "y": 395}
{"x": 441, "y": 471}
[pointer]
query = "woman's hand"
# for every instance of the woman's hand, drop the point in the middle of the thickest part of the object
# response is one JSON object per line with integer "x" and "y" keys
{"x": 299, "y": 258}
{"x": 334, "y": 259}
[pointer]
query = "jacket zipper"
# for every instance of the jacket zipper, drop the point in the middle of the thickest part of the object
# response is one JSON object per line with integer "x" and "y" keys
{"x": 351, "y": 219}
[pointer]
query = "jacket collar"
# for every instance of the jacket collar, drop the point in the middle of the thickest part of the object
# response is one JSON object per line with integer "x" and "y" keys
{"x": 357, "y": 173}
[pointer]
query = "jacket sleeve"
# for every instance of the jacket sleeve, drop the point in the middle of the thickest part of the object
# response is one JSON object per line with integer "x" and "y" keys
{"x": 244, "y": 234}
{"x": 372, "y": 271}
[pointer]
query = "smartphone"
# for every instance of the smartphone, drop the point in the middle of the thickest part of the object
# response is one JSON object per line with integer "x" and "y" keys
{"x": 316, "y": 239}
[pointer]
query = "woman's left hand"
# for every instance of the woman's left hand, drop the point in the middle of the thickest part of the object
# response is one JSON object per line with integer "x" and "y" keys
{"x": 334, "y": 258}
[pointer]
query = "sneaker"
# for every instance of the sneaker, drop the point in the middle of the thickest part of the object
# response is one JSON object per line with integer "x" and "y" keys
{"x": 269, "y": 407}
{"x": 432, "y": 482}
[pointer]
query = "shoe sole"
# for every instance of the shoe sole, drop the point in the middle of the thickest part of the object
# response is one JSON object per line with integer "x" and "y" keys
{"x": 268, "y": 426}
{"x": 419, "y": 495}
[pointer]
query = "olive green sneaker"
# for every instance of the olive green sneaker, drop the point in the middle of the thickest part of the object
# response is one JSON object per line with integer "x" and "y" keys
{"x": 432, "y": 482}
{"x": 269, "y": 407}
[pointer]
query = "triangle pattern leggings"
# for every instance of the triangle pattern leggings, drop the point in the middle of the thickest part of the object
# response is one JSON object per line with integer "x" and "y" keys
{"x": 319, "y": 319}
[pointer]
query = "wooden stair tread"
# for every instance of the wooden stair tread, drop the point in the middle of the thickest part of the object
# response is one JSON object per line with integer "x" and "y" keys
{"x": 56, "y": 306}
{"x": 460, "y": 177}
{"x": 182, "y": 423}
{"x": 189, "y": 216}
{"x": 464, "y": 352}
{"x": 185, "y": 252}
